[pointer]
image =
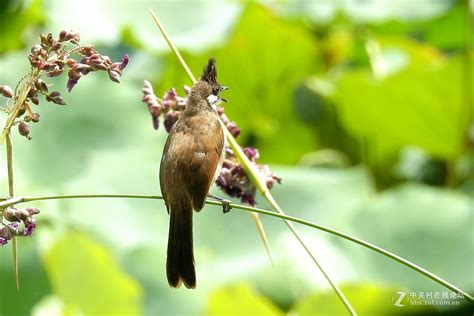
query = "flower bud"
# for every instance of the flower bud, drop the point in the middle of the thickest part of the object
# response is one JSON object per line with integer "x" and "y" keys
{"x": 35, "y": 117}
{"x": 40, "y": 85}
{"x": 62, "y": 35}
{"x": 6, "y": 91}
{"x": 55, "y": 97}
{"x": 35, "y": 100}
{"x": 55, "y": 46}
{"x": 11, "y": 215}
{"x": 36, "y": 49}
{"x": 170, "y": 118}
{"x": 233, "y": 129}
{"x": 21, "y": 111}
{"x": 32, "y": 210}
{"x": 114, "y": 76}
{"x": 24, "y": 129}
{"x": 71, "y": 62}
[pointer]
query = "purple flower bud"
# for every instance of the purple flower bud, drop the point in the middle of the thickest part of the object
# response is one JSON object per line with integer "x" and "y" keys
{"x": 11, "y": 214}
{"x": 35, "y": 100}
{"x": 35, "y": 50}
{"x": 124, "y": 62}
{"x": 35, "y": 117}
{"x": 30, "y": 226}
{"x": 62, "y": 35}
{"x": 170, "y": 118}
{"x": 6, "y": 91}
{"x": 24, "y": 130}
{"x": 251, "y": 153}
{"x": 55, "y": 46}
{"x": 32, "y": 210}
{"x": 3, "y": 241}
{"x": 81, "y": 68}
{"x": 40, "y": 85}
{"x": 233, "y": 129}
{"x": 74, "y": 74}
{"x": 114, "y": 76}
{"x": 71, "y": 62}
{"x": 55, "y": 97}
{"x": 221, "y": 181}
{"x": 249, "y": 198}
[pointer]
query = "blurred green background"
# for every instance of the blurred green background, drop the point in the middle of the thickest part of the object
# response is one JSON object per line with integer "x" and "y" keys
{"x": 364, "y": 108}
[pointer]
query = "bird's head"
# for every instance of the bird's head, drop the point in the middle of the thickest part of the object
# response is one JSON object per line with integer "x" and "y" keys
{"x": 207, "y": 87}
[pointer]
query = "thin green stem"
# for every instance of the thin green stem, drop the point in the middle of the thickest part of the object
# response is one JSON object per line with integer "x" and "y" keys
{"x": 12, "y": 193}
{"x": 341, "y": 295}
{"x": 380, "y": 250}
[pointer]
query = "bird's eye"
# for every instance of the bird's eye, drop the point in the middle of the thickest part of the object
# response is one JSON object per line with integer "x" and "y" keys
{"x": 215, "y": 91}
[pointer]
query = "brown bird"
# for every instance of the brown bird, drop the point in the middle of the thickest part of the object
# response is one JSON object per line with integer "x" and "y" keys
{"x": 191, "y": 161}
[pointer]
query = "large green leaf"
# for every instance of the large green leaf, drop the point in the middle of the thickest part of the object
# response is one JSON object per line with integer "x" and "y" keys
{"x": 87, "y": 279}
{"x": 34, "y": 283}
{"x": 240, "y": 300}
{"x": 15, "y": 18}
{"x": 422, "y": 105}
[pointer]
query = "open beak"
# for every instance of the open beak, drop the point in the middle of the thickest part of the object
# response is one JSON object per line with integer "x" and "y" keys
{"x": 223, "y": 88}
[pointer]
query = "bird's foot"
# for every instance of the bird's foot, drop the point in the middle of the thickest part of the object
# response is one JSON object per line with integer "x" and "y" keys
{"x": 225, "y": 203}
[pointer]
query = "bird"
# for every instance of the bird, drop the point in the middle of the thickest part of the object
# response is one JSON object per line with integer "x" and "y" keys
{"x": 191, "y": 161}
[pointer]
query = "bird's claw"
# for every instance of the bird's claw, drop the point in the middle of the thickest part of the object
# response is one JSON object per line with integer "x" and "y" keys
{"x": 226, "y": 206}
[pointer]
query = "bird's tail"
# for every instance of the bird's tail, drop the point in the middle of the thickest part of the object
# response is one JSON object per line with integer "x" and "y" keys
{"x": 180, "y": 260}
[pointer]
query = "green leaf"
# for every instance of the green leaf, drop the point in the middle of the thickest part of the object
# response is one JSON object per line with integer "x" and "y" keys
{"x": 33, "y": 279}
{"x": 15, "y": 18}
{"x": 240, "y": 300}
{"x": 422, "y": 106}
{"x": 86, "y": 278}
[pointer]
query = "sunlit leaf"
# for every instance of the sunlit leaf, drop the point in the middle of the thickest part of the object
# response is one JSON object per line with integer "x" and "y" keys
{"x": 422, "y": 105}
{"x": 86, "y": 278}
{"x": 240, "y": 300}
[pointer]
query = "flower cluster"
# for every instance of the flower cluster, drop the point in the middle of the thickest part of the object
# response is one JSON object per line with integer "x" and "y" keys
{"x": 17, "y": 222}
{"x": 232, "y": 179}
{"x": 51, "y": 58}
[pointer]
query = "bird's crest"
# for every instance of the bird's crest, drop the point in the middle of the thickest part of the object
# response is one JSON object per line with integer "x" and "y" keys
{"x": 209, "y": 73}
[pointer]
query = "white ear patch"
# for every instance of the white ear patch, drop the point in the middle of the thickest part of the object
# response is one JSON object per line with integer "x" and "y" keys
{"x": 213, "y": 101}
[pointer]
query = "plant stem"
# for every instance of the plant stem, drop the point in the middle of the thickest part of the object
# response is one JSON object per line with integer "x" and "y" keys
{"x": 255, "y": 176}
{"x": 12, "y": 193}
{"x": 25, "y": 89}
{"x": 380, "y": 250}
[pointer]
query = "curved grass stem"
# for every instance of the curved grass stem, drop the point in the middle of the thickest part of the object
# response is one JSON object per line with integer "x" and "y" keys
{"x": 380, "y": 250}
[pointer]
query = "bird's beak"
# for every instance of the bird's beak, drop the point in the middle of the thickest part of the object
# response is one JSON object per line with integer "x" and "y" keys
{"x": 223, "y": 88}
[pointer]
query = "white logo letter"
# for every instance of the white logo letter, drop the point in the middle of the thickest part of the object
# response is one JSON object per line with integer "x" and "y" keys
{"x": 398, "y": 302}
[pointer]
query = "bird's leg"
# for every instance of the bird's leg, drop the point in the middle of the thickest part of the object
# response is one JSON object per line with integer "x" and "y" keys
{"x": 225, "y": 203}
